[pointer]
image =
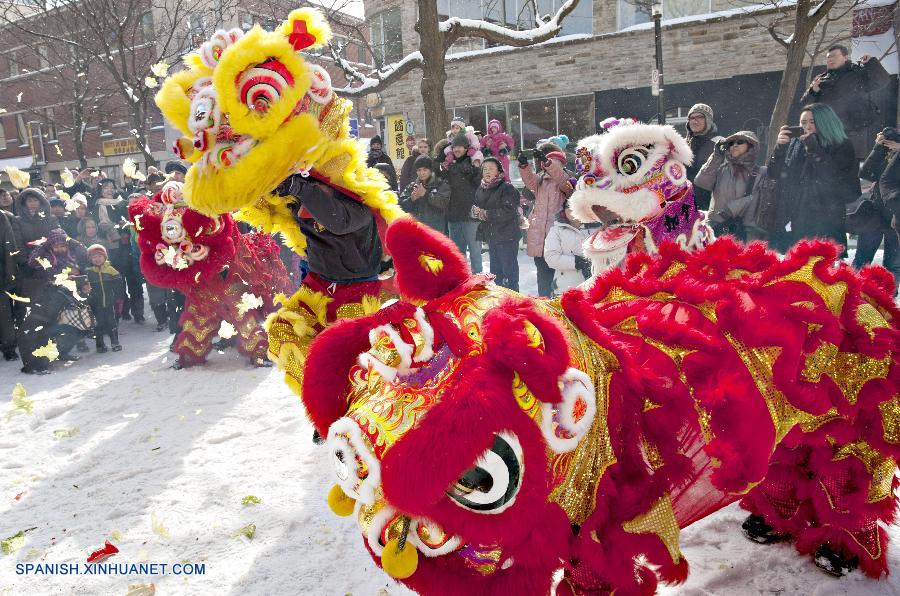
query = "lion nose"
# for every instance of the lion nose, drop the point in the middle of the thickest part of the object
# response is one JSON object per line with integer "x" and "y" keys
{"x": 353, "y": 459}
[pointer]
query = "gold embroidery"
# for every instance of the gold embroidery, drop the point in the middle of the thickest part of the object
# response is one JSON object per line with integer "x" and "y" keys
{"x": 890, "y": 419}
{"x": 849, "y": 370}
{"x": 832, "y": 295}
{"x": 659, "y": 520}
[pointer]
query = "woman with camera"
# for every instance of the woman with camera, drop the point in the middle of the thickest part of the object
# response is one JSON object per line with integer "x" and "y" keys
{"x": 881, "y": 167}
{"x": 816, "y": 170}
{"x": 731, "y": 174}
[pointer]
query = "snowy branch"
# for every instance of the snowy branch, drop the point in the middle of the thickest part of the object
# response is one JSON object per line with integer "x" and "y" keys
{"x": 376, "y": 80}
{"x": 455, "y": 28}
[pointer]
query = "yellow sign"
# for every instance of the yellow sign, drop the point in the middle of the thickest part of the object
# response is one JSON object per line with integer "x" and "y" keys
{"x": 120, "y": 147}
{"x": 395, "y": 137}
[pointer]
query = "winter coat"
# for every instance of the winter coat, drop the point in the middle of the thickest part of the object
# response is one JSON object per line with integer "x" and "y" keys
{"x": 889, "y": 187}
{"x": 564, "y": 242}
{"x": 341, "y": 233}
{"x": 29, "y": 227}
{"x": 846, "y": 90}
{"x": 75, "y": 257}
{"x": 430, "y": 209}
{"x": 814, "y": 185}
{"x": 729, "y": 181}
{"x": 873, "y": 169}
{"x": 111, "y": 214}
{"x": 497, "y": 143}
{"x": 69, "y": 223}
{"x": 375, "y": 157}
{"x": 463, "y": 178}
{"x": 408, "y": 170}
{"x": 551, "y": 189}
{"x": 39, "y": 323}
{"x": 702, "y": 146}
{"x": 501, "y": 202}
{"x": 107, "y": 286}
{"x": 9, "y": 269}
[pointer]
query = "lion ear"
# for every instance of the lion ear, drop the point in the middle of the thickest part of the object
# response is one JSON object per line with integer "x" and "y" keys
{"x": 306, "y": 28}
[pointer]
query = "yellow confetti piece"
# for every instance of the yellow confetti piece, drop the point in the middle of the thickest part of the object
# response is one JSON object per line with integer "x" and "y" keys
{"x": 227, "y": 330}
{"x": 251, "y": 500}
{"x": 67, "y": 177}
{"x": 18, "y": 298}
{"x": 2, "y": 110}
{"x": 20, "y": 403}
{"x": 248, "y": 302}
{"x": 151, "y": 83}
{"x": 116, "y": 536}
{"x": 160, "y": 69}
{"x": 66, "y": 433}
{"x": 34, "y": 553}
{"x": 158, "y": 527}
{"x": 197, "y": 278}
{"x": 137, "y": 222}
{"x": 19, "y": 98}
{"x": 141, "y": 590}
{"x": 13, "y": 543}
{"x": 49, "y": 351}
{"x": 18, "y": 178}
{"x": 249, "y": 531}
{"x": 58, "y": 151}
{"x": 129, "y": 168}
{"x": 43, "y": 262}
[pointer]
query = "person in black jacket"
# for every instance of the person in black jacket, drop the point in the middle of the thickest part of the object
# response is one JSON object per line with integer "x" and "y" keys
{"x": 845, "y": 87}
{"x": 463, "y": 178}
{"x": 889, "y": 187}
{"x": 427, "y": 197}
{"x": 9, "y": 273}
{"x": 107, "y": 293}
{"x": 496, "y": 207}
{"x": 703, "y": 136}
{"x": 45, "y": 322}
{"x": 816, "y": 176}
{"x": 883, "y": 155}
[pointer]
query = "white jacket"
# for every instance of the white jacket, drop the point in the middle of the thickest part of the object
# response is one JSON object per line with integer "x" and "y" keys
{"x": 562, "y": 244}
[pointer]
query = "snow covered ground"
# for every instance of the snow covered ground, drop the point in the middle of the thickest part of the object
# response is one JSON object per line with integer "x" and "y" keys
{"x": 162, "y": 460}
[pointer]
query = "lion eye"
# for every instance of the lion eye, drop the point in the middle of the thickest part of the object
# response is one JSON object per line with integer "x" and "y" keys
{"x": 264, "y": 84}
{"x": 491, "y": 485}
{"x": 631, "y": 159}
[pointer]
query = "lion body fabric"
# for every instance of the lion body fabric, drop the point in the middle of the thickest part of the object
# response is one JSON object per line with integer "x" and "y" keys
{"x": 215, "y": 266}
{"x": 505, "y": 438}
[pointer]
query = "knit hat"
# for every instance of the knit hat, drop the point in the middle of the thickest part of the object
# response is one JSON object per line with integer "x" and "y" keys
{"x": 56, "y": 237}
{"x": 458, "y": 120}
{"x": 175, "y": 166}
{"x": 96, "y": 248}
{"x": 702, "y": 108}
{"x": 460, "y": 140}
{"x": 57, "y": 201}
{"x": 423, "y": 161}
{"x": 744, "y": 135}
{"x": 376, "y": 139}
{"x": 80, "y": 199}
{"x": 495, "y": 161}
{"x": 110, "y": 180}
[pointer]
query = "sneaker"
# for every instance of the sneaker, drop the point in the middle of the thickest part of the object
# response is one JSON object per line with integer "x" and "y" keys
{"x": 82, "y": 347}
{"x": 10, "y": 356}
{"x": 101, "y": 349}
{"x": 261, "y": 363}
{"x": 756, "y": 529}
{"x": 68, "y": 358}
{"x": 834, "y": 563}
{"x": 117, "y": 348}
{"x": 31, "y": 371}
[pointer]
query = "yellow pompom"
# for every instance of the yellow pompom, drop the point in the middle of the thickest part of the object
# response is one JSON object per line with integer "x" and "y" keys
{"x": 339, "y": 503}
{"x": 402, "y": 564}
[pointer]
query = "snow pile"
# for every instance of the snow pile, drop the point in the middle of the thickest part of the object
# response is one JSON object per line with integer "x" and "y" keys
{"x": 120, "y": 447}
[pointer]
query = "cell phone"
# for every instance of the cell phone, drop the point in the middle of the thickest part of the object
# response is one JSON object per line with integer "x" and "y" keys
{"x": 796, "y": 131}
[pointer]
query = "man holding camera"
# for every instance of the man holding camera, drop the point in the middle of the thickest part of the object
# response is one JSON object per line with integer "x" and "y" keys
{"x": 845, "y": 87}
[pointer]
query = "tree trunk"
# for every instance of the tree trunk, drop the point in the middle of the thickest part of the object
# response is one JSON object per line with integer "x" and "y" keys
{"x": 139, "y": 130}
{"x": 78, "y": 133}
{"x": 434, "y": 72}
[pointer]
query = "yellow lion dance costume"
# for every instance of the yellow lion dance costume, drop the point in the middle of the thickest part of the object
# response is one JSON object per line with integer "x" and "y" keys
{"x": 253, "y": 113}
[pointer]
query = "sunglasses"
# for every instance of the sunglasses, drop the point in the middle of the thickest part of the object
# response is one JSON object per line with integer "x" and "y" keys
{"x": 738, "y": 142}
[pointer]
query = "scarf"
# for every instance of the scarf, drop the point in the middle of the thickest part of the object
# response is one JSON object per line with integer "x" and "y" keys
{"x": 495, "y": 182}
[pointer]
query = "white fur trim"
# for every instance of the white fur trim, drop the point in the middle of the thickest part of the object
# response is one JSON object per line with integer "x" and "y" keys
{"x": 646, "y": 134}
{"x": 404, "y": 349}
{"x": 575, "y": 386}
{"x": 428, "y": 333}
{"x": 632, "y": 207}
{"x": 354, "y": 446}
{"x": 379, "y": 520}
{"x": 448, "y": 547}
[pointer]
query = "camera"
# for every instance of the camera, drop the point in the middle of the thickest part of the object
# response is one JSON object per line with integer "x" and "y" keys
{"x": 891, "y": 134}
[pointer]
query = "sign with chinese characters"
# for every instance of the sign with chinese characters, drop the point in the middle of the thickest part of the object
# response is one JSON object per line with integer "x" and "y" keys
{"x": 395, "y": 137}
{"x": 120, "y": 147}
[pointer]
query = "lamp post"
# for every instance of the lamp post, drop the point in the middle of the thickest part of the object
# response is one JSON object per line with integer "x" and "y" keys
{"x": 659, "y": 87}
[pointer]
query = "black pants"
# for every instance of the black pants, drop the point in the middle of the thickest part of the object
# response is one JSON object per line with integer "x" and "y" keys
{"x": 504, "y": 262}
{"x": 135, "y": 301}
{"x": 544, "y": 277}
{"x": 106, "y": 324}
{"x": 867, "y": 245}
{"x": 7, "y": 324}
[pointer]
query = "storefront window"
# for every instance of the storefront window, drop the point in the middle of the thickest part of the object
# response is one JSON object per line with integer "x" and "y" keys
{"x": 635, "y": 12}
{"x": 538, "y": 121}
{"x": 576, "y": 116}
{"x": 387, "y": 41}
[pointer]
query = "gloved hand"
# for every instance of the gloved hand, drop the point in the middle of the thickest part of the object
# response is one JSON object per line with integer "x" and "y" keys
{"x": 721, "y": 147}
{"x": 291, "y": 186}
{"x": 523, "y": 159}
{"x": 583, "y": 265}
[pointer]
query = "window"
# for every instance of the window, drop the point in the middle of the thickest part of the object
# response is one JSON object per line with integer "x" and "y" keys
{"x": 538, "y": 121}
{"x": 103, "y": 123}
{"x": 148, "y": 26}
{"x": 52, "y": 133}
{"x": 635, "y": 12}
{"x": 576, "y": 116}
{"x": 387, "y": 39}
{"x": 13, "y": 63}
{"x": 2, "y": 137}
{"x": 519, "y": 14}
{"x": 43, "y": 56}
{"x": 21, "y": 130}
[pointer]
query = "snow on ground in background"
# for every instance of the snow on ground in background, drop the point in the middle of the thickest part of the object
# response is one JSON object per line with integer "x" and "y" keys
{"x": 185, "y": 447}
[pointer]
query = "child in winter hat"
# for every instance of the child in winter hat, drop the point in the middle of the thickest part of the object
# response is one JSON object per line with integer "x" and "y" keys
{"x": 107, "y": 296}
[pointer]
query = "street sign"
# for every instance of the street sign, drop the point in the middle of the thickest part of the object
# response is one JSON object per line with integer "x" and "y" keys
{"x": 395, "y": 137}
{"x": 654, "y": 82}
{"x": 354, "y": 128}
{"x": 120, "y": 147}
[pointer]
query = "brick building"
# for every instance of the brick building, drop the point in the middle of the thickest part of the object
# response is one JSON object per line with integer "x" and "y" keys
{"x": 36, "y": 132}
{"x": 600, "y": 66}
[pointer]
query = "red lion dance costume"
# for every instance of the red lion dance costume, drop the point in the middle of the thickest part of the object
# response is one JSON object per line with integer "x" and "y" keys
{"x": 483, "y": 440}
{"x": 187, "y": 251}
